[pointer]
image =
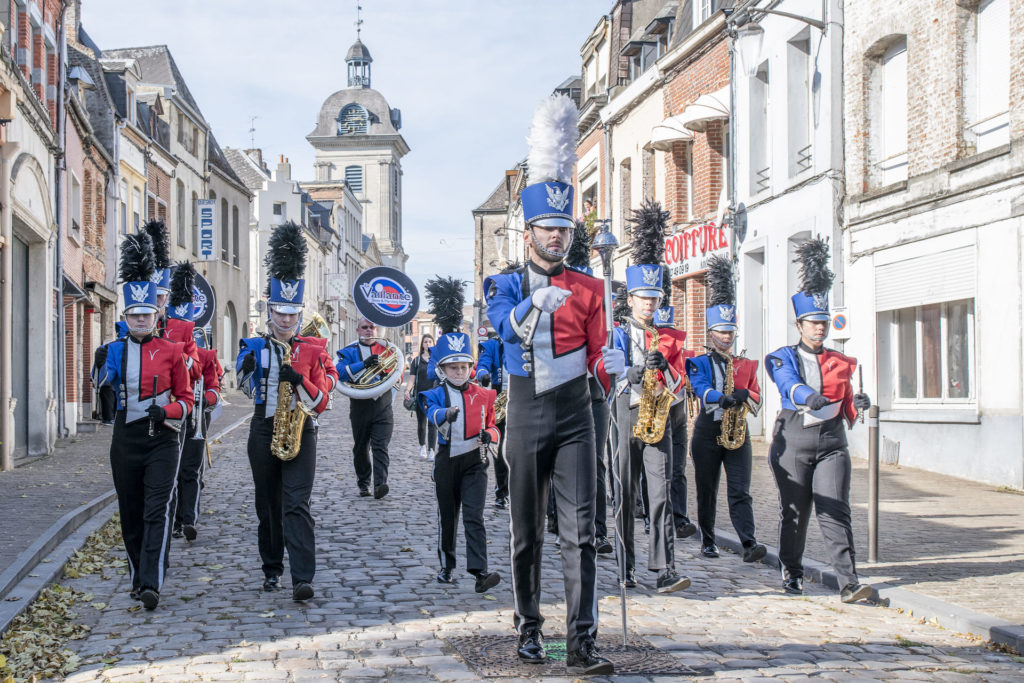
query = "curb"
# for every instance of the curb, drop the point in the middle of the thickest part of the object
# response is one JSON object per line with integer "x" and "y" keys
{"x": 945, "y": 614}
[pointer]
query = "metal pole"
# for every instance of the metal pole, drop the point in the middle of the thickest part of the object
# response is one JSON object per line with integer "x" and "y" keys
{"x": 873, "y": 484}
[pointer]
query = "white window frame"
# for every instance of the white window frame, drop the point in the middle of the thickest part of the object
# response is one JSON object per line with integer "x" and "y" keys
{"x": 920, "y": 401}
{"x": 702, "y": 11}
{"x": 987, "y": 109}
{"x": 76, "y": 204}
{"x": 892, "y": 167}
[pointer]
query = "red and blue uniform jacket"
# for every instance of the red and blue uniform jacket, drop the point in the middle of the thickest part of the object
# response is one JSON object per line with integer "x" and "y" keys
{"x": 325, "y": 362}
{"x": 181, "y": 331}
{"x": 131, "y": 368}
{"x": 567, "y": 343}
{"x": 460, "y": 436}
{"x": 211, "y": 375}
{"x": 799, "y": 372}
{"x": 351, "y": 359}
{"x": 261, "y": 384}
{"x": 634, "y": 342}
{"x": 707, "y": 377}
{"x": 489, "y": 361}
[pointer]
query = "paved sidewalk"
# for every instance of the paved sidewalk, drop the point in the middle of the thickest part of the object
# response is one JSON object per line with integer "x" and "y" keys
{"x": 957, "y": 541}
{"x": 380, "y": 614}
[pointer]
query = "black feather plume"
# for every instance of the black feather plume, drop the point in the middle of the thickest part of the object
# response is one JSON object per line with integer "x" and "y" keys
{"x": 719, "y": 280}
{"x": 446, "y": 299}
{"x": 137, "y": 261}
{"x": 579, "y": 251}
{"x": 815, "y": 276}
{"x": 511, "y": 267}
{"x": 182, "y": 280}
{"x": 648, "y": 231}
{"x": 286, "y": 253}
{"x": 157, "y": 232}
{"x": 621, "y": 311}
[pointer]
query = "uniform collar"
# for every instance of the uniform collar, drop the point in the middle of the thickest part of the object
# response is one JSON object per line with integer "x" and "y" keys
{"x": 463, "y": 388}
{"x": 147, "y": 338}
{"x": 808, "y": 349}
{"x": 540, "y": 271}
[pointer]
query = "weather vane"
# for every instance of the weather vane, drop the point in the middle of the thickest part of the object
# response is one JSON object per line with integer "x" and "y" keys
{"x": 359, "y": 19}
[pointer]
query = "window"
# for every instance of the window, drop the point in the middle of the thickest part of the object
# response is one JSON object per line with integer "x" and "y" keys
{"x": 889, "y": 118}
{"x": 122, "y": 207}
{"x": 760, "y": 138}
{"x": 987, "y": 86}
{"x": 224, "y": 230}
{"x": 195, "y": 224}
{"x": 136, "y": 208}
{"x": 234, "y": 236}
{"x": 353, "y": 119}
{"x": 130, "y": 96}
{"x": 934, "y": 351}
{"x": 702, "y": 10}
{"x": 280, "y": 212}
{"x": 354, "y": 177}
{"x": 76, "y": 205}
{"x": 799, "y": 72}
{"x": 182, "y": 229}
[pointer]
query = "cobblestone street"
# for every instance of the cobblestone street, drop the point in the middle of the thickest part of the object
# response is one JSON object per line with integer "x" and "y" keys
{"x": 379, "y": 612}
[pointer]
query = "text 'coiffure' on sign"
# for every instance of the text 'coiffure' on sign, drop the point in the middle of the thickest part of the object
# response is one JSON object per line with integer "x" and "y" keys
{"x": 688, "y": 250}
{"x": 207, "y": 209}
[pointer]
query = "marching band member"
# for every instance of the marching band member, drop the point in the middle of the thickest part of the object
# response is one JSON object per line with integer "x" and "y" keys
{"x": 154, "y": 398}
{"x": 463, "y": 413}
{"x": 664, "y": 320}
{"x": 710, "y": 456}
{"x": 489, "y": 373}
{"x": 634, "y": 337}
{"x": 552, "y": 324}
{"x": 415, "y": 384}
{"x": 283, "y": 487}
{"x": 808, "y": 454}
{"x": 372, "y": 418}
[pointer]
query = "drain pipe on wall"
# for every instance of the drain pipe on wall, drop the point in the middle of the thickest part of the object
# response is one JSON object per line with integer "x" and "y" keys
{"x": 58, "y": 199}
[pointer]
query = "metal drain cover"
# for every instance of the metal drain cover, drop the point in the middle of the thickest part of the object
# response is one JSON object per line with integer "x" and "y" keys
{"x": 495, "y": 657}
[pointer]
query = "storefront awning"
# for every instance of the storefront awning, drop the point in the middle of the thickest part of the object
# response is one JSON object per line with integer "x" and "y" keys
{"x": 668, "y": 131}
{"x": 706, "y": 108}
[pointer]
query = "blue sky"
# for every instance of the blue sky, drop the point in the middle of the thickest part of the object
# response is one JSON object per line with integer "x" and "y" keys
{"x": 465, "y": 73}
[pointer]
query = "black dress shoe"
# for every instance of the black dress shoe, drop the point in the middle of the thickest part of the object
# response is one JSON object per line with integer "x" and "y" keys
{"x": 486, "y": 581}
{"x": 150, "y": 598}
{"x": 364, "y": 491}
{"x": 855, "y": 592}
{"x": 793, "y": 586}
{"x": 585, "y": 661}
{"x": 380, "y": 491}
{"x": 669, "y": 581}
{"x": 501, "y": 503}
{"x": 754, "y": 553}
{"x": 177, "y": 533}
{"x": 603, "y": 546}
{"x": 303, "y": 590}
{"x": 710, "y": 550}
{"x": 630, "y": 579}
{"x": 685, "y": 530}
{"x": 190, "y": 532}
{"x": 531, "y": 647}
{"x": 271, "y": 584}
{"x": 445, "y": 576}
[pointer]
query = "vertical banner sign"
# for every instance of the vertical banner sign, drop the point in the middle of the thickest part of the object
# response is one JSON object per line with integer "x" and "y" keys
{"x": 207, "y": 220}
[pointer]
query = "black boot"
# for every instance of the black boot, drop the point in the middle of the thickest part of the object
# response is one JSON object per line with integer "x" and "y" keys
{"x": 302, "y": 591}
{"x": 793, "y": 586}
{"x": 150, "y": 598}
{"x": 603, "y": 546}
{"x": 486, "y": 581}
{"x": 531, "y": 647}
{"x": 587, "y": 662}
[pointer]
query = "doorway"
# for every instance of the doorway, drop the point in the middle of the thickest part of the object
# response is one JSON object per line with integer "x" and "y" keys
{"x": 19, "y": 345}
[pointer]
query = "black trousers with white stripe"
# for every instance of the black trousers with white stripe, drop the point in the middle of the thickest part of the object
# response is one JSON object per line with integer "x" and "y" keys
{"x": 190, "y": 476}
{"x": 460, "y": 483}
{"x": 372, "y": 423}
{"x": 145, "y": 471}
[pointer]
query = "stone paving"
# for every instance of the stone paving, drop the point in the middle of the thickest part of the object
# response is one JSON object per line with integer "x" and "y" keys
{"x": 379, "y": 613}
{"x": 954, "y": 540}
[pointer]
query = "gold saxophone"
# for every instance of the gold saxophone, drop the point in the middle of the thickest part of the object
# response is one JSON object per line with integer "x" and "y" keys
{"x": 288, "y": 423}
{"x": 500, "y": 406}
{"x": 734, "y": 420}
{"x": 652, "y": 415}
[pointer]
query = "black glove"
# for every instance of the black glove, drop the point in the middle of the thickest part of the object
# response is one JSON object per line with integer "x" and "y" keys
{"x": 816, "y": 401}
{"x": 635, "y": 374}
{"x": 740, "y": 396}
{"x": 156, "y": 413}
{"x": 656, "y": 361}
{"x": 484, "y": 378}
{"x": 371, "y": 361}
{"x": 288, "y": 374}
{"x": 485, "y": 438}
{"x": 861, "y": 402}
{"x": 100, "y": 357}
{"x": 727, "y": 401}
{"x": 451, "y": 414}
{"x": 249, "y": 363}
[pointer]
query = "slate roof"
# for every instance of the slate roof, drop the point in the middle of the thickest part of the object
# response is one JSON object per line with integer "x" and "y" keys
{"x": 158, "y": 68}
{"x": 246, "y": 168}
{"x": 98, "y": 102}
{"x": 498, "y": 201}
{"x": 219, "y": 161}
{"x": 358, "y": 51}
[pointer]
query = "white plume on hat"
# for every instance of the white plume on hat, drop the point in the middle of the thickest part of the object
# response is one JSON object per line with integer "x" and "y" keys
{"x": 552, "y": 140}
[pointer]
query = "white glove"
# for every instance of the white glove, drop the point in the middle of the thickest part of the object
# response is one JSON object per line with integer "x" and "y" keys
{"x": 549, "y": 299}
{"x": 614, "y": 360}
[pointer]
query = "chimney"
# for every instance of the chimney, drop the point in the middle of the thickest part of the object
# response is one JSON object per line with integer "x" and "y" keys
{"x": 284, "y": 169}
{"x": 257, "y": 156}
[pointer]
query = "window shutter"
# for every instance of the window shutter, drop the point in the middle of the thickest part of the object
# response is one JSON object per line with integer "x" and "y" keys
{"x": 945, "y": 276}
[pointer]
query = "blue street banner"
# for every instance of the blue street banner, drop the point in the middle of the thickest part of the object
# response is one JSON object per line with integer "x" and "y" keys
{"x": 207, "y": 209}
{"x": 386, "y": 296}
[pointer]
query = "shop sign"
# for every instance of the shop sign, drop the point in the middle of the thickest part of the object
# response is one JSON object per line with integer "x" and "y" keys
{"x": 688, "y": 251}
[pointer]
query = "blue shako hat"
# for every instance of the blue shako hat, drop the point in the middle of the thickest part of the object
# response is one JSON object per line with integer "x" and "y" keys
{"x": 136, "y": 273}
{"x": 644, "y": 280}
{"x": 548, "y": 199}
{"x": 665, "y": 316}
{"x": 286, "y": 265}
{"x": 453, "y": 347}
{"x": 157, "y": 232}
{"x": 179, "y": 302}
{"x": 811, "y": 302}
{"x": 721, "y": 311}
